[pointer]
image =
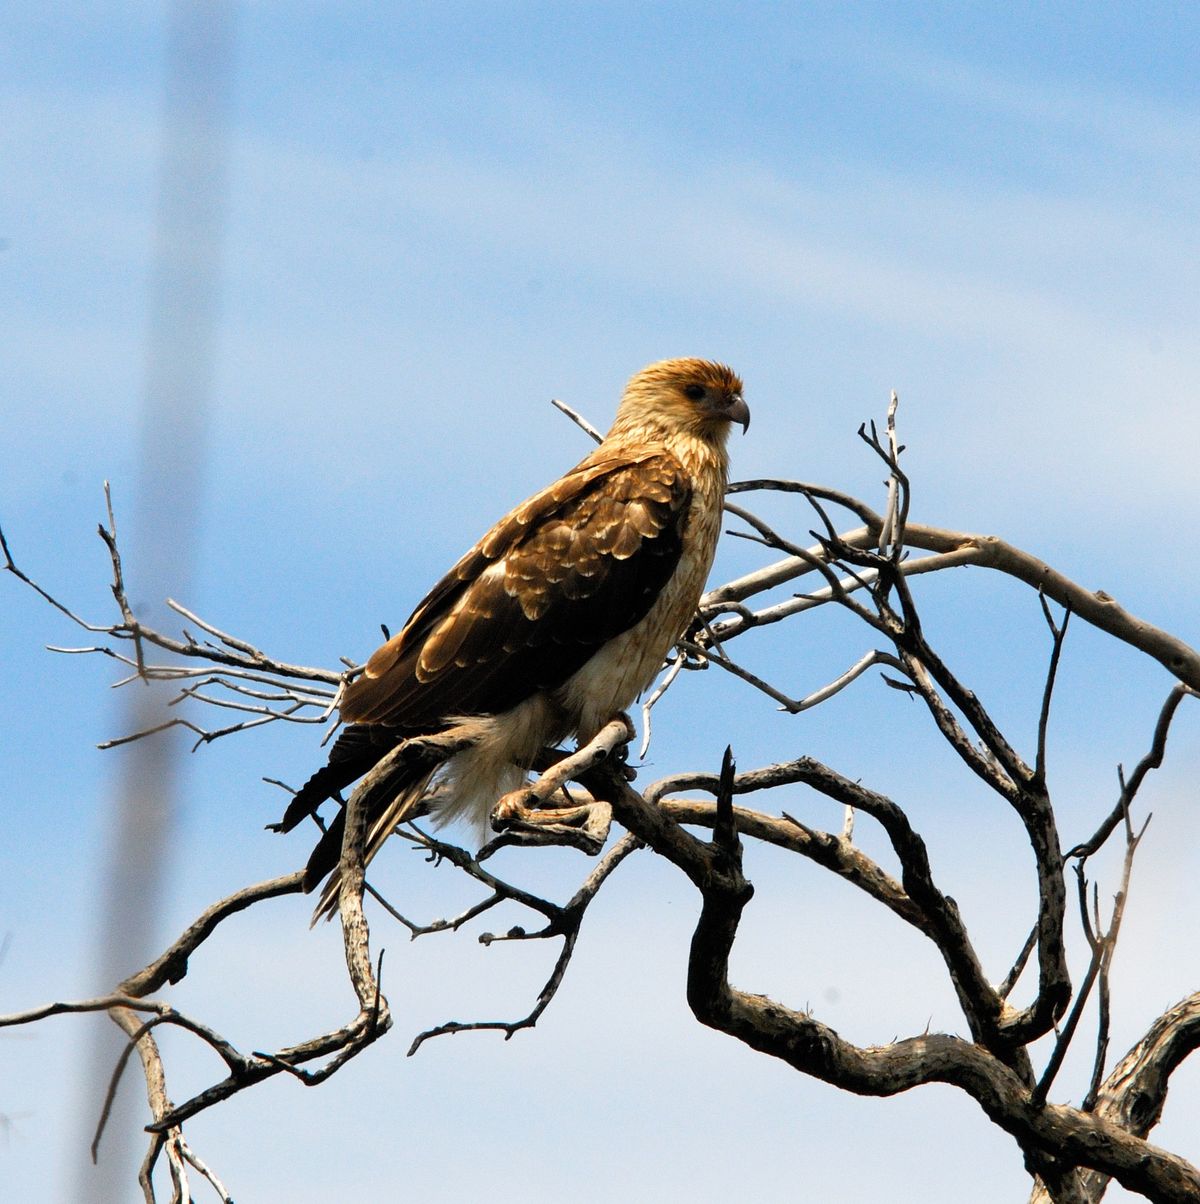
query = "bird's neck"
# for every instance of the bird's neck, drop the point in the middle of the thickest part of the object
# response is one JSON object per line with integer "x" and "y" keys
{"x": 701, "y": 450}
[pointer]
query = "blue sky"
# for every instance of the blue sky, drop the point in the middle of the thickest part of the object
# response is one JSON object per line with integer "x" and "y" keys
{"x": 438, "y": 218}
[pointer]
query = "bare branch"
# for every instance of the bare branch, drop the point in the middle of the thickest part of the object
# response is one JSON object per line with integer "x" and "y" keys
{"x": 1059, "y": 635}
{"x": 815, "y": 1049}
{"x": 1005, "y": 989}
{"x": 1134, "y": 1093}
{"x": 941, "y": 919}
{"x": 172, "y": 965}
{"x": 795, "y": 705}
{"x": 664, "y": 684}
{"x": 237, "y": 653}
{"x": 507, "y": 1027}
{"x": 577, "y": 418}
{"x": 809, "y": 489}
{"x": 1152, "y": 760}
{"x": 566, "y": 922}
{"x": 988, "y": 551}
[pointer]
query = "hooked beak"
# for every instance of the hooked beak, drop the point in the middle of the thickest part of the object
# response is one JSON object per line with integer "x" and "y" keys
{"x": 739, "y": 412}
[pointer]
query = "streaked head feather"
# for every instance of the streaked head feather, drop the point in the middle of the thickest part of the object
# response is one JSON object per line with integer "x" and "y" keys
{"x": 692, "y": 396}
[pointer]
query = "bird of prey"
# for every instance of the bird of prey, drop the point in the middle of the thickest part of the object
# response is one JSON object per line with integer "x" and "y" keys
{"x": 553, "y": 623}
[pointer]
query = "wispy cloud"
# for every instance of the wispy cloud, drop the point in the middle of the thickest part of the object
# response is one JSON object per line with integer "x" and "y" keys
{"x": 1088, "y": 302}
{"x": 1150, "y": 131}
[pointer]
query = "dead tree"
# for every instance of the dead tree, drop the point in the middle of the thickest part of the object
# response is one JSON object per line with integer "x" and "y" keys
{"x": 869, "y": 568}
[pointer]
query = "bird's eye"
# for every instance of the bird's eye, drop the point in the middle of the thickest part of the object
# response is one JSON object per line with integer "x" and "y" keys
{"x": 693, "y": 392}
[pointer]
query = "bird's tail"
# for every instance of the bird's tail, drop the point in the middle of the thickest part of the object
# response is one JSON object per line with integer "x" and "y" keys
{"x": 395, "y": 802}
{"x": 355, "y": 751}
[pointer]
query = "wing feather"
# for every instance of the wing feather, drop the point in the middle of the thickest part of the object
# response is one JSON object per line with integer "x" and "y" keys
{"x": 545, "y": 588}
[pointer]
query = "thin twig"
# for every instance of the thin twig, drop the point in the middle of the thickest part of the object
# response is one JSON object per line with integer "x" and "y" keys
{"x": 577, "y": 418}
{"x": 1152, "y": 760}
{"x": 1058, "y": 635}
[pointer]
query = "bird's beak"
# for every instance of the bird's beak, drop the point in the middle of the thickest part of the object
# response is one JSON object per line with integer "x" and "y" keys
{"x": 739, "y": 411}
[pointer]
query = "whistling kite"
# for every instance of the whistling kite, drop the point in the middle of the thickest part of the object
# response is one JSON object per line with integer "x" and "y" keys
{"x": 554, "y": 622}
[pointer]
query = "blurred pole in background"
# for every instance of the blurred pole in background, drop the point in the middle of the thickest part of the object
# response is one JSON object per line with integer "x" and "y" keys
{"x": 180, "y": 362}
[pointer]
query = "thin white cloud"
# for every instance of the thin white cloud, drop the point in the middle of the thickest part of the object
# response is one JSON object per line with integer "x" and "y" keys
{"x": 1148, "y": 130}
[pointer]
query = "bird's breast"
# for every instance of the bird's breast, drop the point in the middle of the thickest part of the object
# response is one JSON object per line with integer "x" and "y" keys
{"x": 613, "y": 678}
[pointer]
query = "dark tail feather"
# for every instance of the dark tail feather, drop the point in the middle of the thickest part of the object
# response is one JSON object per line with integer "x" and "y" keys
{"x": 327, "y": 852}
{"x": 329, "y": 848}
{"x": 354, "y": 752}
{"x": 389, "y": 803}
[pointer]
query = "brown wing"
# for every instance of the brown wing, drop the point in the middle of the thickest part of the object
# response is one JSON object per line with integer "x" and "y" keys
{"x": 547, "y": 586}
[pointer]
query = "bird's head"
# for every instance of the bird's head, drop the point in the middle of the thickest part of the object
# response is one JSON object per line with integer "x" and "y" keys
{"x": 695, "y": 396}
